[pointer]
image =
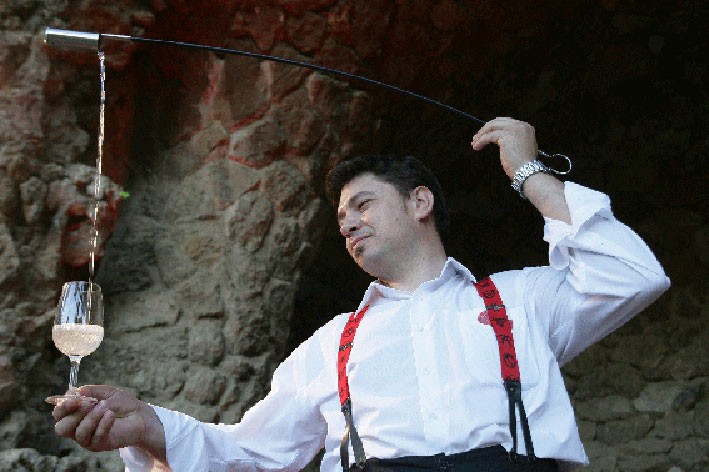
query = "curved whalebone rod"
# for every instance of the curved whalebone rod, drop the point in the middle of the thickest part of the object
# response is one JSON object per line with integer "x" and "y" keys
{"x": 92, "y": 41}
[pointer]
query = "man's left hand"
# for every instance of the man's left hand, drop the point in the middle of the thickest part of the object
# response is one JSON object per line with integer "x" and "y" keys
{"x": 515, "y": 138}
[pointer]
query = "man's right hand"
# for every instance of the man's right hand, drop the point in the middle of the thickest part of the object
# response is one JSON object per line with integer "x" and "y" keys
{"x": 119, "y": 419}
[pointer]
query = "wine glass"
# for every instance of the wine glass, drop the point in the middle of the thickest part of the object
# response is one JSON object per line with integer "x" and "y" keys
{"x": 78, "y": 328}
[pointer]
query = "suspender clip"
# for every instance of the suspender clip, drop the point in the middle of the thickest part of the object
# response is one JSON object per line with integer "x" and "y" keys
{"x": 517, "y": 458}
{"x": 351, "y": 436}
{"x": 514, "y": 400}
{"x": 514, "y": 390}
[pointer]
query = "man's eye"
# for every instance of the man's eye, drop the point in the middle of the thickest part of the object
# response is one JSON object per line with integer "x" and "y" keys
{"x": 363, "y": 203}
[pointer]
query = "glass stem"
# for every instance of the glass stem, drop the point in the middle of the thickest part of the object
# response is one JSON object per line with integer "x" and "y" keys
{"x": 74, "y": 373}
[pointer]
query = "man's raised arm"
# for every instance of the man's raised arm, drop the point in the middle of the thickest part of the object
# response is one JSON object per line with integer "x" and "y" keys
{"x": 518, "y": 146}
{"x": 601, "y": 273}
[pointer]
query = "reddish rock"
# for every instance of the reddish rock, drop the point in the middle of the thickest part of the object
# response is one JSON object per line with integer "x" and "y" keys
{"x": 326, "y": 94}
{"x": 248, "y": 220}
{"x": 339, "y": 21}
{"x": 337, "y": 56}
{"x": 280, "y": 80}
{"x": 142, "y": 18}
{"x": 208, "y": 139}
{"x": 119, "y": 126}
{"x": 302, "y": 123}
{"x": 242, "y": 92}
{"x": 306, "y": 32}
{"x": 72, "y": 199}
{"x": 285, "y": 186}
{"x": 265, "y": 24}
{"x": 257, "y": 144}
{"x": 14, "y": 50}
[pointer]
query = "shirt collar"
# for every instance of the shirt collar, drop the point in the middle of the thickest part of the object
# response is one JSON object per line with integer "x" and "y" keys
{"x": 378, "y": 293}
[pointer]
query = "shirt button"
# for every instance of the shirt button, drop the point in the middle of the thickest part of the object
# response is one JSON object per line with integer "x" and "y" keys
{"x": 419, "y": 328}
{"x": 426, "y": 371}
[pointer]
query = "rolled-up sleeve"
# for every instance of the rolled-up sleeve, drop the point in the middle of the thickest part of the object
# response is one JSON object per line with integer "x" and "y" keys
{"x": 600, "y": 274}
{"x": 281, "y": 432}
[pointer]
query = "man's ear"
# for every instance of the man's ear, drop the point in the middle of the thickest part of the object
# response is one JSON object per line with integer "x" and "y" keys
{"x": 422, "y": 199}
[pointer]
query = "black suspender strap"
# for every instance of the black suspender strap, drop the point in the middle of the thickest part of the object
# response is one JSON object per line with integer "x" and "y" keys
{"x": 351, "y": 433}
{"x": 514, "y": 400}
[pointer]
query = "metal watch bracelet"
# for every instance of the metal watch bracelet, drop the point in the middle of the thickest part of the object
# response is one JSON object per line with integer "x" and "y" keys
{"x": 524, "y": 172}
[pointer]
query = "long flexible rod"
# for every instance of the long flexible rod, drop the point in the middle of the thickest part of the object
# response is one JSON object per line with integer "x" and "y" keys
{"x": 307, "y": 65}
{"x": 92, "y": 41}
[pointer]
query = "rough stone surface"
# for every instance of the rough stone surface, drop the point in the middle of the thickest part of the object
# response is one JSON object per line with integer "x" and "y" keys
{"x": 658, "y": 397}
{"x": 9, "y": 259}
{"x": 222, "y": 256}
{"x": 206, "y": 343}
{"x": 605, "y": 408}
{"x": 8, "y": 386}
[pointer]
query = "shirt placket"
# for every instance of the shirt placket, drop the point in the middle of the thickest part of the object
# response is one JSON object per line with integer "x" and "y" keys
{"x": 432, "y": 406}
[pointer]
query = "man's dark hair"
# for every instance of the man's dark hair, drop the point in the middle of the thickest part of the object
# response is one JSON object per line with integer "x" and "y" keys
{"x": 403, "y": 172}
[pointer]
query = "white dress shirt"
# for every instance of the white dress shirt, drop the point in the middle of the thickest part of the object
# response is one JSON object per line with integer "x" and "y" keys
{"x": 424, "y": 372}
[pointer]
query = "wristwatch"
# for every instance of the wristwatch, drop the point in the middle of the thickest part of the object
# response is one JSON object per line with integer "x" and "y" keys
{"x": 524, "y": 172}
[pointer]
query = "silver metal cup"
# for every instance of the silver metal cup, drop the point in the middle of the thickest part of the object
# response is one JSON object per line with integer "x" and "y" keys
{"x": 72, "y": 39}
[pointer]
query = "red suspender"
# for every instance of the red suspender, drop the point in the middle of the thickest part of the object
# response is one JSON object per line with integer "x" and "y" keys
{"x": 508, "y": 363}
{"x": 502, "y": 327}
{"x": 343, "y": 356}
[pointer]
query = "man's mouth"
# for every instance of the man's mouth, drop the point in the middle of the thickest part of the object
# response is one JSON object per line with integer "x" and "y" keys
{"x": 355, "y": 242}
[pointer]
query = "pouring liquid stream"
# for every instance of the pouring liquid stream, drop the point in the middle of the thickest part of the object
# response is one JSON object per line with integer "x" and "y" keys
{"x": 94, "y": 207}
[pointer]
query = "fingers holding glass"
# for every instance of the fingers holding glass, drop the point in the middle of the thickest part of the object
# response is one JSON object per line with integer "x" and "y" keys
{"x": 100, "y": 436}
{"x": 69, "y": 414}
{"x": 87, "y": 427}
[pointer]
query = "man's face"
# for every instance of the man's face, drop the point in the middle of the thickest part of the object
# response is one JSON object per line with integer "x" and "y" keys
{"x": 376, "y": 222}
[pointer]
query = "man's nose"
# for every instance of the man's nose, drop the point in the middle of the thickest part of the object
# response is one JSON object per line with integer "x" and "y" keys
{"x": 349, "y": 225}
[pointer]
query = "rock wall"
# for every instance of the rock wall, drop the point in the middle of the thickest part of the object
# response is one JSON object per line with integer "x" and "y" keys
{"x": 224, "y": 257}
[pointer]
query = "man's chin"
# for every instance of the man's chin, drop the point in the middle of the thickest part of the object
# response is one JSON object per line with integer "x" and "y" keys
{"x": 367, "y": 262}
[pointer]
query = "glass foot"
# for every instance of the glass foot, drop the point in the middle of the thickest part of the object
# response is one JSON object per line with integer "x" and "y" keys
{"x": 57, "y": 399}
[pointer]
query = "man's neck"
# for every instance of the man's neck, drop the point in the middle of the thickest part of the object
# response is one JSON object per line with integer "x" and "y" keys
{"x": 424, "y": 266}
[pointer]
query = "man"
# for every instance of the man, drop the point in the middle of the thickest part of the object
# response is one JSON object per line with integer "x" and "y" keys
{"x": 421, "y": 384}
